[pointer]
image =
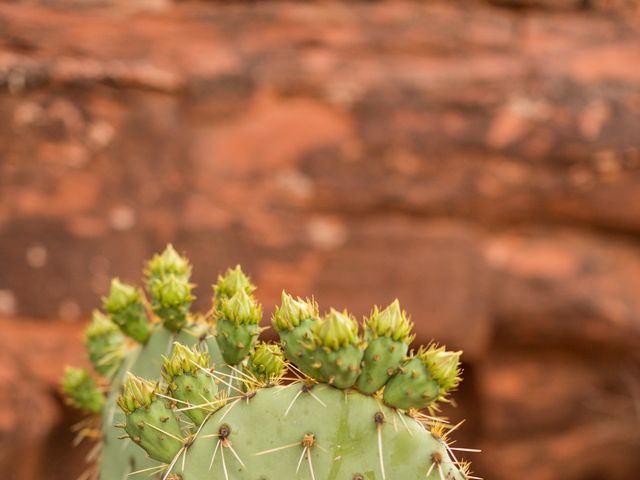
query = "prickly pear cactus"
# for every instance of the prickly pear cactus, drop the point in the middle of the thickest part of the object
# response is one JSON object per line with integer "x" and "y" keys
{"x": 193, "y": 397}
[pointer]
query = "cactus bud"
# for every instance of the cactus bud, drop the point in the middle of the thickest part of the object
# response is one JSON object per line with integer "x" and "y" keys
{"x": 233, "y": 281}
{"x": 337, "y": 350}
{"x": 171, "y": 301}
{"x": 444, "y": 366}
{"x": 293, "y": 311}
{"x": 184, "y": 360}
{"x": 237, "y": 326}
{"x": 169, "y": 262}
{"x": 267, "y": 363}
{"x": 241, "y": 309}
{"x": 186, "y": 381}
{"x": 105, "y": 343}
{"x": 149, "y": 421}
{"x": 124, "y": 303}
{"x": 82, "y": 391}
{"x": 137, "y": 393}
{"x": 388, "y": 333}
{"x": 294, "y": 321}
{"x": 391, "y": 322}
{"x": 424, "y": 378}
{"x": 336, "y": 330}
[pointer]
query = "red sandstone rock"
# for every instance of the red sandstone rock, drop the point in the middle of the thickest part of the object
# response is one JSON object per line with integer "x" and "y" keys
{"x": 480, "y": 163}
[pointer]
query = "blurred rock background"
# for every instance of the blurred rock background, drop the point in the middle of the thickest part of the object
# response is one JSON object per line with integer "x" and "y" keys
{"x": 479, "y": 160}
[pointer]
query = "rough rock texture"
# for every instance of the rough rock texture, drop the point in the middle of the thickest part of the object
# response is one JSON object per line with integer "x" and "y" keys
{"x": 479, "y": 160}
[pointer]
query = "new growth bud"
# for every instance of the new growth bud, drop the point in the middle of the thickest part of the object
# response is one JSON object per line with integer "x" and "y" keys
{"x": 120, "y": 296}
{"x": 105, "y": 344}
{"x": 388, "y": 335}
{"x": 444, "y": 366}
{"x": 336, "y": 330}
{"x": 188, "y": 380}
{"x": 173, "y": 291}
{"x": 232, "y": 282}
{"x": 267, "y": 362}
{"x": 124, "y": 303}
{"x": 137, "y": 393}
{"x": 293, "y": 311}
{"x": 424, "y": 378}
{"x": 184, "y": 360}
{"x": 169, "y": 262}
{"x": 171, "y": 301}
{"x": 100, "y": 326}
{"x": 241, "y": 309}
{"x": 237, "y": 326}
{"x": 82, "y": 391}
{"x": 391, "y": 322}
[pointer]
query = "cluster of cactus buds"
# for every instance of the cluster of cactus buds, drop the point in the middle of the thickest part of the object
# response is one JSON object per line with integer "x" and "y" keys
{"x": 204, "y": 390}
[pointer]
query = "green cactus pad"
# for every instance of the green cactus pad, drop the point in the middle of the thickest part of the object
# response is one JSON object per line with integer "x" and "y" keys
{"x": 235, "y": 341}
{"x": 297, "y": 345}
{"x": 171, "y": 301}
{"x": 82, "y": 391}
{"x": 125, "y": 306}
{"x": 105, "y": 344}
{"x": 294, "y": 320}
{"x": 428, "y": 376}
{"x": 388, "y": 335}
{"x": 381, "y": 359}
{"x": 337, "y": 349}
{"x": 412, "y": 386}
{"x": 281, "y": 433}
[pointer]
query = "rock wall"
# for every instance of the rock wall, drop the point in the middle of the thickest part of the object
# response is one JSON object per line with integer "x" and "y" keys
{"x": 478, "y": 160}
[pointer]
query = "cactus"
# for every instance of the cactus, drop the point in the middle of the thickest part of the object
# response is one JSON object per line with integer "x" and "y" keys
{"x": 200, "y": 397}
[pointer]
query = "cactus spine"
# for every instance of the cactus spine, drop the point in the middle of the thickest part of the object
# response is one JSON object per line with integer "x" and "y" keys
{"x": 204, "y": 398}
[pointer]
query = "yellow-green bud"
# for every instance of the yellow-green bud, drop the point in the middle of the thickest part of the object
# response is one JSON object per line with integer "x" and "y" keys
{"x": 292, "y": 311}
{"x": 267, "y": 362}
{"x": 105, "y": 344}
{"x": 443, "y": 366}
{"x": 172, "y": 291}
{"x": 120, "y": 296}
{"x": 166, "y": 263}
{"x": 184, "y": 360}
{"x": 241, "y": 309}
{"x": 100, "y": 326}
{"x": 232, "y": 282}
{"x": 336, "y": 330}
{"x": 391, "y": 322}
{"x": 137, "y": 393}
{"x": 81, "y": 390}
